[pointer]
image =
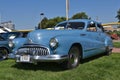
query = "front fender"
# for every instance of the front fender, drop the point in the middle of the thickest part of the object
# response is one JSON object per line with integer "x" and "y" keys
{"x": 18, "y": 42}
{"x": 108, "y": 42}
{"x": 65, "y": 43}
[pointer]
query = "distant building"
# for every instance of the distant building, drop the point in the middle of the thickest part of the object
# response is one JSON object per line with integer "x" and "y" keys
{"x": 111, "y": 28}
{"x": 8, "y": 25}
{"x": 108, "y": 28}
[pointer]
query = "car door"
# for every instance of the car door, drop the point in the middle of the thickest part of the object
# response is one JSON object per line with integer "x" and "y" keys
{"x": 95, "y": 44}
{"x": 101, "y": 36}
{"x": 100, "y": 31}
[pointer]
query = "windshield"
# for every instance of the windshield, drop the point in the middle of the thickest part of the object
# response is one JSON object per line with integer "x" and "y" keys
{"x": 70, "y": 25}
{"x": 61, "y": 26}
{"x": 10, "y": 35}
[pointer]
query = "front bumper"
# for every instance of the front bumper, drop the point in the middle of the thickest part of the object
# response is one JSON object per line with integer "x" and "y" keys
{"x": 32, "y": 53}
{"x": 34, "y": 59}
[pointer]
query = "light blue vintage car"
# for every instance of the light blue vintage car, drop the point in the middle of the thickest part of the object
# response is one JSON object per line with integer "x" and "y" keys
{"x": 68, "y": 43}
{"x": 5, "y": 38}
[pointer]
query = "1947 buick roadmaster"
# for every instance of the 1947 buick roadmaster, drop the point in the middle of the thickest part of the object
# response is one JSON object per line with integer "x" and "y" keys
{"x": 68, "y": 43}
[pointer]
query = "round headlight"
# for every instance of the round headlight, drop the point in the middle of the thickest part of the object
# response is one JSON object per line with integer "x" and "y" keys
{"x": 53, "y": 43}
{"x": 11, "y": 44}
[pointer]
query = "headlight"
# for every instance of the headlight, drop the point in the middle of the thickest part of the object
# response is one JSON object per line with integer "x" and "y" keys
{"x": 11, "y": 44}
{"x": 54, "y": 43}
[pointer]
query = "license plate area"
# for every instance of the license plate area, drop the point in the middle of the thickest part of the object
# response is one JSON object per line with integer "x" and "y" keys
{"x": 25, "y": 58}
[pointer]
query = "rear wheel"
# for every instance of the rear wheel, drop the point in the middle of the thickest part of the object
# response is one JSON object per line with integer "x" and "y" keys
{"x": 73, "y": 58}
{"x": 108, "y": 51}
{"x": 3, "y": 53}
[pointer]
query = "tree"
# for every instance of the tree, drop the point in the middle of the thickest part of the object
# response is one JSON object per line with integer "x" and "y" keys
{"x": 50, "y": 23}
{"x": 81, "y": 15}
{"x": 43, "y": 23}
{"x": 118, "y": 15}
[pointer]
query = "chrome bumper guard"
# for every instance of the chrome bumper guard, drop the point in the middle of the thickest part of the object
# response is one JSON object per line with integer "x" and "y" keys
{"x": 34, "y": 59}
{"x": 31, "y": 53}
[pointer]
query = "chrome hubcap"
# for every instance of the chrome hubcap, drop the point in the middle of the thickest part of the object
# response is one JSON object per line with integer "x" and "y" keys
{"x": 74, "y": 56}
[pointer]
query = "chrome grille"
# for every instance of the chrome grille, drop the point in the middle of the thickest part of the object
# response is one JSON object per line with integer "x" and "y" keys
{"x": 40, "y": 51}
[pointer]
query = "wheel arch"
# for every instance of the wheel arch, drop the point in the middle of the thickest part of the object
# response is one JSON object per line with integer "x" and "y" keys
{"x": 5, "y": 48}
{"x": 80, "y": 48}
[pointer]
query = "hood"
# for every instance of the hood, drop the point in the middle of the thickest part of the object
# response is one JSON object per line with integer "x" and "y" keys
{"x": 44, "y": 36}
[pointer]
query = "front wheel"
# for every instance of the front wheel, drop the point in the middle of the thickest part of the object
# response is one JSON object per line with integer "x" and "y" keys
{"x": 3, "y": 53}
{"x": 73, "y": 57}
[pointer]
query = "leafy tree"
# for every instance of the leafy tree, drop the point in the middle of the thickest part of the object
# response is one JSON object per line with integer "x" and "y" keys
{"x": 81, "y": 15}
{"x": 49, "y": 23}
{"x": 43, "y": 23}
{"x": 118, "y": 15}
{"x": 54, "y": 21}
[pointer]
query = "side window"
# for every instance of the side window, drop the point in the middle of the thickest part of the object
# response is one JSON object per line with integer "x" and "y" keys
{"x": 91, "y": 27}
{"x": 76, "y": 25}
{"x": 100, "y": 27}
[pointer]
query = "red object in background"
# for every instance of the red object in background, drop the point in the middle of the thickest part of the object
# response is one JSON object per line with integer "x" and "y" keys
{"x": 114, "y": 36}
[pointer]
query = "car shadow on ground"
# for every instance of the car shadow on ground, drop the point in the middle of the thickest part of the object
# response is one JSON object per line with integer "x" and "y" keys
{"x": 93, "y": 58}
{"x": 45, "y": 66}
{"x": 48, "y": 66}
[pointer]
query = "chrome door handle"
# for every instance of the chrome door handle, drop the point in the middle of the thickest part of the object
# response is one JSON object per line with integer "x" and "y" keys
{"x": 82, "y": 34}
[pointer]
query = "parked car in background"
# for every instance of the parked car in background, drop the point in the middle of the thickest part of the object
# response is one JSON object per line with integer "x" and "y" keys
{"x": 18, "y": 41}
{"x": 24, "y": 32}
{"x": 4, "y": 43}
{"x": 4, "y": 48}
{"x": 11, "y": 35}
{"x": 4, "y": 29}
{"x": 68, "y": 43}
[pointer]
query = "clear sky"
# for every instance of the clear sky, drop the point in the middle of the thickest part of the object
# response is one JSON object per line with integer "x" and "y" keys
{"x": 25, "y": 14}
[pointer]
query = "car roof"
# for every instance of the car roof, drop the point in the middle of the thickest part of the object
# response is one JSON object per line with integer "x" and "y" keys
{"x": 78, "y": 20}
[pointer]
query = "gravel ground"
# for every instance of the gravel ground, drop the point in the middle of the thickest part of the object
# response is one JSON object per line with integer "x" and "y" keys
{"x": 116, "y": 40}
{"x": 116, "y": 50}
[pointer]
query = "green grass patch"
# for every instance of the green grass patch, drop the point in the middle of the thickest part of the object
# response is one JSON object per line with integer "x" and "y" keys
{"x": 116, "y": 44}
{"x": 102, "y": 68}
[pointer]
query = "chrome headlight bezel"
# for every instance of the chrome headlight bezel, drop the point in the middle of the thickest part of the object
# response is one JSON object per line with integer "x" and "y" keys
{"x": 11, "y": 44}
{"x": 53, "y": 43}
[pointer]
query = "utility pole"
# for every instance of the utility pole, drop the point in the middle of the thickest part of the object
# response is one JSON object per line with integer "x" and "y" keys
{"x": 67, "y": 9}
